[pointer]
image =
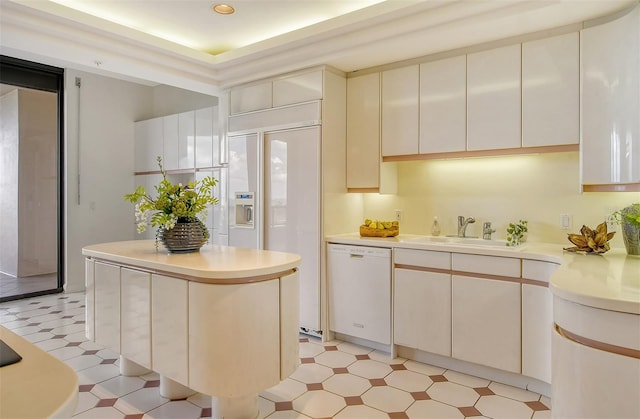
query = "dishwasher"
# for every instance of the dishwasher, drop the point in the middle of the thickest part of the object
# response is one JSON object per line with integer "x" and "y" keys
{"x": 359, "y": 283}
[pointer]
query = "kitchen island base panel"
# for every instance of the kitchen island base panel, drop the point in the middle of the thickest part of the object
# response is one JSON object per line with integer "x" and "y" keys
{"x": 245, "y": 407}
{"x": 129, "y": 368}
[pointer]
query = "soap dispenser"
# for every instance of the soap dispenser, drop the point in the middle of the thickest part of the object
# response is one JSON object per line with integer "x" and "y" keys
{"x": 435, "y": 228}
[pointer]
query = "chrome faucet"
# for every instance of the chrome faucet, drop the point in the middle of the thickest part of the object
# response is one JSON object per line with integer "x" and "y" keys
{"x": 462, "y": 225}
{"x": 487, "y": 230}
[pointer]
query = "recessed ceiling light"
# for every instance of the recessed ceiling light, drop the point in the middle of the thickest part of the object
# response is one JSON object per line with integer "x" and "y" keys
{"x": 223, "y": 9}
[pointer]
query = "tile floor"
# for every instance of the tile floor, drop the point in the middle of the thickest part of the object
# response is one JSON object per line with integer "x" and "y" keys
{"x": 335, "y": 379}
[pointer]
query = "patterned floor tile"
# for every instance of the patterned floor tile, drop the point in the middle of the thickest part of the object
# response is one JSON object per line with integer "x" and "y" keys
{"x": 335, "y": 359}
{"x": 387, "y": 399}
{"x": 368, "y": 368}
{"x": 499, "y": 407}
{"x": 319, "y": 404}
{"x": 408, "y": 380}
{"x": 361, "y": 412}
{"x": 347, "y": 385}
{"x": 513, "y": 392}
{"x": 453, "y": 394}
{"x": 433, "y": 409}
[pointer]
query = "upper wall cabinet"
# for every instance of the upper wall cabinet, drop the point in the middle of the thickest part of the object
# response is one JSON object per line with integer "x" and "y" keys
{"x": 365, "y": 171}
{"x": 400, "y": 111}
{"x": 443, "y": 99}
{"x": 551, "y": 91}
{"x": 288, "y": 90}
{"x": 610, "y": 55}
{"x": 297, "y": 89}
{"x": 493, "y": 99}
{"x": 170, "y": 134}
{"x": 250, "y": 97}
{"x": 186, "y": 140}
{"x": 148, "y": 144}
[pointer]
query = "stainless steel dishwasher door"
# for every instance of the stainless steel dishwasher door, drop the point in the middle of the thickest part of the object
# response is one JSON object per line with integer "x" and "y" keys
{"x": 359, "y": 283}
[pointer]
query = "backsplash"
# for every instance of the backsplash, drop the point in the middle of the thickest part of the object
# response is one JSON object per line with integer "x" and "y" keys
{"x": 535, "y": 187}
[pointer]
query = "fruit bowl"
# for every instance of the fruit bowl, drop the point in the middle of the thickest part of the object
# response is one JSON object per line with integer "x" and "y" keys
{"x": 379, "y": 229}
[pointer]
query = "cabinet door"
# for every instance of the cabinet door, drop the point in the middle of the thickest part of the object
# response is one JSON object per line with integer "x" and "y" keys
{"x": 186, "y": 140}
{"x": 400, "y": 111}
{"x": 443, "y": 105}
{"x": 363, "y": 131}
{"x": 107, "y": 306}
{"x": 551, "y": 91}
{"x": 537, "y": 325}
{"x": 148, "y": 144}
{"x": 204, "y": 144}
{"x": 493, "y": 99}
{"x": 170, "y": 134}
{"x": 610, "y": 58}
{"x": 136, "y": 316}
{"x": 297, "y": 89}
{"x": 250, "y": 97}
{"x": 485, "y": 319}
{"x": 170, "y": 327}
{"x": 422, "y": 310}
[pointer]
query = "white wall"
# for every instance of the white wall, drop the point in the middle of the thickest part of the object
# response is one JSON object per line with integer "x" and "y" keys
{"x": 9, "y": 147}
{"x": 104, "y": 110}
{"x": 536, "y": 187}
{"x": 109, "y": 108}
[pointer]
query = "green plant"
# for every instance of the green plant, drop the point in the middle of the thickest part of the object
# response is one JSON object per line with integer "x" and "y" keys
{"x": 515, "y": 232}
{"x": 174, "y": 203}
{"x": 630, "y": 214}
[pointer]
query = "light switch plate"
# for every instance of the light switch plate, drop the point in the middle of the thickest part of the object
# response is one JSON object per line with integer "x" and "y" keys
{"x": 565, "y": 221}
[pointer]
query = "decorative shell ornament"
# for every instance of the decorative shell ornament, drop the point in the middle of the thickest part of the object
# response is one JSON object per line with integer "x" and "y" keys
{"x": 591, "y": 241}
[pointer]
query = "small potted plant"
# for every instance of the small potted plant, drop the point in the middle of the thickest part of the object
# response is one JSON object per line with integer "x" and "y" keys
{"x": 176, "y": 212}
{"x": 515, "y": 233}
{"x": 629, "y": 220}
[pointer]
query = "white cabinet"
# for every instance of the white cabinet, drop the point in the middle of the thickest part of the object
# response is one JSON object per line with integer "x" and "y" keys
{"x": 170, "y": 135}
{"x": 422, "y": 310}
{"x": 135, "y": 316}
{"x": 400, "y": 111}
{"x": 148, "y": 144}
{"x": 107, "y": 305}
{"x": 186, "y": 140}
{"x": 443, "y": 101}
{"x": 365, "y": 170}
{"x": 551, "y": 91}
{"x": 207, "y": 140}
{"x": 610, "y": 65}
{"x": 485, "y": 318}
{"x": 297, "y": 88}
{"x": 170, "y": 327}
{"x": 251, "y": 97}
{"x": 537, "y": 319}
{"x": 493, "y": 99}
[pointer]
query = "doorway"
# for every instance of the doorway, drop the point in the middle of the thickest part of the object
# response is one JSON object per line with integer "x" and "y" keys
{"x": 31, "y": 180}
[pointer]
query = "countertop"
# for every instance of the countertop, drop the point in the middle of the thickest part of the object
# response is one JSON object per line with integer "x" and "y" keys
{"x": 39, "y": 386}
{"x": 213, "y": 263}
{"x": 610, "y": 281}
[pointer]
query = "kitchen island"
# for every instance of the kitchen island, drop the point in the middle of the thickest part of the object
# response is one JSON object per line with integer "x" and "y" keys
{"x": 221, "y": 321}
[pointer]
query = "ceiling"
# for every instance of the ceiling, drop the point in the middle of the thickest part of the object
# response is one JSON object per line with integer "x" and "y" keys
{"x": 185, "y": 44}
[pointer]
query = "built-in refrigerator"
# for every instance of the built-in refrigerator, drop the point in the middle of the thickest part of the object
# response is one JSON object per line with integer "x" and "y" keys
{"x": 274, "y": 202}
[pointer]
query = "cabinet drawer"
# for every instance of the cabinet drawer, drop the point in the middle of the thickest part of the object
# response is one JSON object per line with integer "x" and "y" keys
{"x": 490, "y": 265}
{"x": 538, "y": 270}
{"x": 423, "y": 258}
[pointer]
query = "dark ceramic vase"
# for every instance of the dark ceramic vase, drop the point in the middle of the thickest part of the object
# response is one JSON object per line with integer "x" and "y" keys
{"x": 184, "y": 237}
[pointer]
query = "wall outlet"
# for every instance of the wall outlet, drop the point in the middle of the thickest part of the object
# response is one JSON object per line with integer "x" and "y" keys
{"x": 398, "y": 215}
{"x": 612, "y": 223}
{"x": 565, "y": 221}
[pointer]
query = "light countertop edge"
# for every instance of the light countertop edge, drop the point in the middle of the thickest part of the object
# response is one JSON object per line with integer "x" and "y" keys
{"x": 610, "y": 281}
{"x": 211, "y": 262}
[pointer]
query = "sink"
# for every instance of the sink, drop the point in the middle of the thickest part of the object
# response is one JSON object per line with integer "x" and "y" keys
{"x": 464, "y": 241}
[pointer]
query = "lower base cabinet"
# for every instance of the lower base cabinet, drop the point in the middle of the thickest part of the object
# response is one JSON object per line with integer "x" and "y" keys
{"x": 537, "y": 324}
{"x": 135, "y": 315}
{"x": 422, "y": 310}
{"x": 485, "y": 320}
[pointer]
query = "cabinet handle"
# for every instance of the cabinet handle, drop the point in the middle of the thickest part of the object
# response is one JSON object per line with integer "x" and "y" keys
{"x": 354, "y": 255}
